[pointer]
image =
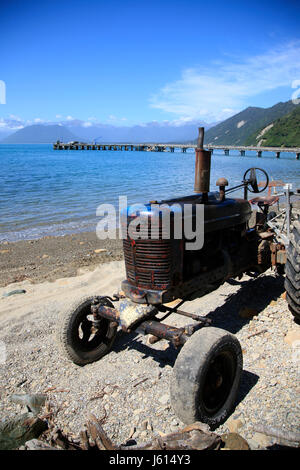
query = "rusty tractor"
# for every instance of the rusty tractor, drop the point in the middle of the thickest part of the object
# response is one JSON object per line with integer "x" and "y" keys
{"x": 159, "y": 270}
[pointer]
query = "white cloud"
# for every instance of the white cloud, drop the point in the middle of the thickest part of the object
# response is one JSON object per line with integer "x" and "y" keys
{"x": 222, "y": 89}
{"x": 114, "y": 119}
{"x": 14, "y": 117}
{"x": 11, "y": 124}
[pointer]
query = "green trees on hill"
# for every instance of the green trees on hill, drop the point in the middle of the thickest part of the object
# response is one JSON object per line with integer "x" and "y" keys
{"x": 243, "y": 128}
{"x": 284, "y": 132}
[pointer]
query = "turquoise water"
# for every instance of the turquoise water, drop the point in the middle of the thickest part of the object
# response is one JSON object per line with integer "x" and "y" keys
{"x": 48, "y": 192}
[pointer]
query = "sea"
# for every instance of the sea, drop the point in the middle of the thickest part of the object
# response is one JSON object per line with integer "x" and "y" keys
{"x": 50, "y": 192}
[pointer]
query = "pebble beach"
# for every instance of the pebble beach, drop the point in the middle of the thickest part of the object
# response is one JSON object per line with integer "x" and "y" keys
{"x": 129, "y": 387}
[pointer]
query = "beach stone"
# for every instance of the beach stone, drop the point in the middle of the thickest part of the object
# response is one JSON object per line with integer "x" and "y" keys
{"x": 144, "y": 425}
{"x": 283, "y": 296}
{"x": 13, "y": 292}
{"x": 234, "y": 441}
{"x": 255, "y": 356}
{"x": 149, "y": 426}
{"x": 63, "y": 282}
{"x": 247, "y": 312}
{"x": 33, "y": 401}
{"x": 273, "y": 382}
{"x": 15, "y": 432}
{"x": 35, "y": 444}
{"x": 233, "y": 424}
{"x": 100, "y": 250}
{"x": 292, "y": 336}
{"x": 164, "y": 399}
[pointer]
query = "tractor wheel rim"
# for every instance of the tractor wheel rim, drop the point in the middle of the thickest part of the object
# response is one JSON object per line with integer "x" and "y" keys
{"x": 218, "y": 382}
{"x": 86, "y": 338}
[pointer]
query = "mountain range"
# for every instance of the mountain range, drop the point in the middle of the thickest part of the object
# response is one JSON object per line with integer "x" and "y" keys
{"x": 277, "y": 125}
{"x": 39, "y": 134}
{"x": 87, "y": 132}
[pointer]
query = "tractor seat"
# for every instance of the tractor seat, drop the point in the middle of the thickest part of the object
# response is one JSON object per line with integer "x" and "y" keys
{"x": 264, "y": 200}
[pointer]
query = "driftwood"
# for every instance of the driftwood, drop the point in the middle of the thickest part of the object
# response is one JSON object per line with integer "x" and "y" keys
{"x": 193, "y": 437}
{"x": 23, "y": 432}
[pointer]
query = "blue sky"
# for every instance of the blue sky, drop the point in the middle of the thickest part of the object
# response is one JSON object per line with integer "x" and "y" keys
{"x": 128, "y": 62}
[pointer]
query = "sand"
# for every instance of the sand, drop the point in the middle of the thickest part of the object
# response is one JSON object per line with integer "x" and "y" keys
{"x": 51, "y": 258}
{"x": 130, "y": 385}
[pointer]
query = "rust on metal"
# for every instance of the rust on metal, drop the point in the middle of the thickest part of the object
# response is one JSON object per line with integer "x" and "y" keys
{"x": 281, "y": 256}
{"x": 222, "y": 183}
{"x": 278, "y": 253}
{"x": 154, "y": 339}
{"x": 194, "y": 316}
{"x": 202, "y": 171}
{"x": 202, "y": 166}
{"x": 177, "y": 336}
{"x": 109, "y": 313}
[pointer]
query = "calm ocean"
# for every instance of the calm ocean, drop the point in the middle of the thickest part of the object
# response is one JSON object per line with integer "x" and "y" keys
{"x": 47, "y": 192}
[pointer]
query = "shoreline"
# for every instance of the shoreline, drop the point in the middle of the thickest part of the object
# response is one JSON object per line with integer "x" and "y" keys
{"x": 56, "y": 256}
{"x": 53, "y": 257}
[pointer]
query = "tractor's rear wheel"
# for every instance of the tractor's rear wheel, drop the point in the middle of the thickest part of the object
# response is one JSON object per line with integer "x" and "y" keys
{"x": 206, "y": 377}
{"x": 292, "y": 271}
{"x": 79, "y": 340}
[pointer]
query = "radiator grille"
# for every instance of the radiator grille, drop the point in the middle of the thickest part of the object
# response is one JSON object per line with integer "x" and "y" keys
{"x": 148, "y": 263}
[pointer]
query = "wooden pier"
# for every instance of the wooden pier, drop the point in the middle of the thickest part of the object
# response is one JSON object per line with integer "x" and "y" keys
{"x": 172, "y": 147}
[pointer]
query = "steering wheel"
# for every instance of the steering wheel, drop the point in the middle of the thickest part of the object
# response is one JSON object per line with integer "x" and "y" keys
{"x": 252, "y": 180}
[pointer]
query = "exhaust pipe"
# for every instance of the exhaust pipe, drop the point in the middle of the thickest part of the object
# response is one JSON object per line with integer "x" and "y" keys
{"x": 202, "y": 167}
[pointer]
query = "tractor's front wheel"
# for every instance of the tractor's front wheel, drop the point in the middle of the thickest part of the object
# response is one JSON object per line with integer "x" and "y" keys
{"x": 292, "y": 271}
{"x": 79, "y": 339}
{"x": 206, "y": 377}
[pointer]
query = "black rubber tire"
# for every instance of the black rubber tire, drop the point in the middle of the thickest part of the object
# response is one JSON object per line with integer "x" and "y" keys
{"x": 68, "y": 334}
{"x": 292, "y": 271}
{"x": 193, "y": 397}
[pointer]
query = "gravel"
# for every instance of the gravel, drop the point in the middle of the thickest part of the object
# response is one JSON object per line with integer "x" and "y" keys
{"x": 129, "y": 388}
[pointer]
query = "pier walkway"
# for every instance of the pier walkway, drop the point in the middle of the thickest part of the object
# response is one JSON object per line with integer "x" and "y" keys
{"x": 171, "y": 148}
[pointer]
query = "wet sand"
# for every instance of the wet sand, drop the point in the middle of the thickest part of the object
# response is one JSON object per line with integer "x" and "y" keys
{"x": 51, "y": 258}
